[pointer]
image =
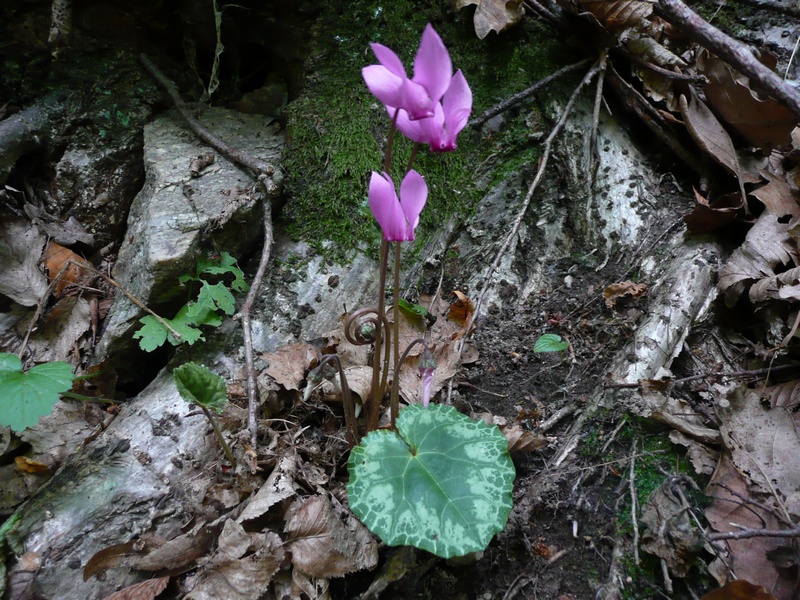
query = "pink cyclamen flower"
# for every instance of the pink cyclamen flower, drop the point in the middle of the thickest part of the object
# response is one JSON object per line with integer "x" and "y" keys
{"x": 433, "y": 70}
{"x": 426, "y": 368}
{"x": 449, "y": 118}
{"x": 397, "y": 218}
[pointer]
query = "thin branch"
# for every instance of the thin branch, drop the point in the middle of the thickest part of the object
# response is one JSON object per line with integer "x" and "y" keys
{"x": 526, "y": 93}
{"x": 730, "y": 50}
{"x": 746, "y": 533}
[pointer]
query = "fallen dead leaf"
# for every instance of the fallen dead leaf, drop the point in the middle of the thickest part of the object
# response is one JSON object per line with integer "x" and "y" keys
{"x": 279, "y": 486}
{"x": 493, "y": 15}
{"x": 323, "y": 544}
{"x": 21, "y": 245}
{"x": 145, "y": 590}
{"x": 26, "y": 465}
{"x": 623, "y": 289}
{"x": 288, "y": 364}
{"x": 56, "y": 257}
{"x": 739, "y": 590}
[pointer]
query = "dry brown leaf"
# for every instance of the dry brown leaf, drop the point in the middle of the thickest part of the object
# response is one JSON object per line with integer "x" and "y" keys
{"x": 763, "y": 444}
{"x": 777, "y": 197}
{"x": 278, "y": 486}
{"x": 288, "y": 364}
{"x": 322, "y": 545}
{"x": 733, "y": 503}
{"x": 461, "y": 312}
{"x": 26, "y": 465}
{"x": 739, "y": 590}
{"x": 765, "y": 123}
{"x": 522, "y": 440}
{"x": 613, "y": 15}
{"x": 20, "y": 249}
{"x": 242, "y": 567}
{"x": 410, "y": 384}
{"x": 785, "y": 286}
{"x": 622, "y": 289}
{"x": 56, "y": 257}
{"x": 709, "y": 134}
{"x": 178, "y": 552}
{"x": 493, "y": 15}
{"x": 145, "y": 590}
{"x": 111, "y": 557}
{"x": 712, "y": 214}
{"x": 767, "y": 245}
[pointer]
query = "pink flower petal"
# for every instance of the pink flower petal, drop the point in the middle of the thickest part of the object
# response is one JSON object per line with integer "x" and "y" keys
{"x": 389, "y": 59}
{"x": 384, "y": 85}
{"x": 386, "y": 208}
{"x": 457, "y": 105}
{"x": 413, "y": 195}
{"x": 432, "y": 66}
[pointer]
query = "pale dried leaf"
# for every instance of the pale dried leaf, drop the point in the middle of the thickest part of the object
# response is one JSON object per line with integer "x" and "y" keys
{"x": 709, "y": 134}
{"x": 767, "y": 245}
{"x": 493, "y": 15}
{"x": 325, "y": 545}
{"x": 145, "y": 590}
{"x": 61, "y": 327}
{"x": 20, "y": 249}
{"x": 178, "y": 552}
{"x": 410, "y": 384}
{"x": 288, "y": 364}
{"x": 522, "y": 440}
{"x": 613, "y": 15}
{"x": 777, "y": 197}
{"x": 785, "y": 286}
{"x": 241, "y": 578}
{"x": 734, "y": 503}
{"x": 622, "y": 289}
{"x": 765, "y": 123}
{"x": 278, "y": 486}
{"x": 763, "y": 443}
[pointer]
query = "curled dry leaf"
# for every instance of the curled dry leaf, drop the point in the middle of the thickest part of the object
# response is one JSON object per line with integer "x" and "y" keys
{"x": 288, "y": 364}
{"x": 765, "y": 123}
{"x": 714, "y": 213}
{"x": 613, "y": 15}
{"x": 145, "y": 590}
{"x": 522, "y": 440}
{"x": 623, "y": 289}
{"x": 767, "y": 245}
{"x": 179, "y": 552}
{"x": 242, "y": 567}
{"x": 493, "y": 15}
{"x": 279, "y": 485}
{"x": 739, "y": 589}
{"x": 324, "y": 544}
{"x": 734, "y": 507}
{"x": 56, "y": 258}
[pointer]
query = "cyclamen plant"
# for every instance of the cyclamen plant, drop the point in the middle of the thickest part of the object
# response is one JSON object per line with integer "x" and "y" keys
{"x": 436, "y": 480}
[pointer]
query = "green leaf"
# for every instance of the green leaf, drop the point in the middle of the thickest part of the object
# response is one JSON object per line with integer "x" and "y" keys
{"x": 221, "y": 266}
{"x": 550, "y": 342}
{"x": 198, "y": 384}
{"x": 442, "y": 482}
{"x": 212, "y": 298}
{"x": 24, "y": 397}
{"x": 154, "y": 334}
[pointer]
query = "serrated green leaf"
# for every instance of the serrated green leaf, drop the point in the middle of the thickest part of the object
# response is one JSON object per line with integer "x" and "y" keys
{"x": 198, "y": 384}
{"x": 153, "y": 334}
{"x": 550, "y": 342}
{"x": 25, "y": 397}
{"x": 442, "y": 482}
{"x": 223, "y": 265}
{"x": 212, "y": 298}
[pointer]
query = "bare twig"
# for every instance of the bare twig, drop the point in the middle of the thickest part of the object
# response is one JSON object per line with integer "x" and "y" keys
{"x": 634, "y": 503}
{"x": 548, "y": 143}
{"x": 747, "y": 532}
{"x": 730, "y": 50}
{"x": 526, "y": 93}
{"x": 268, "y": 178}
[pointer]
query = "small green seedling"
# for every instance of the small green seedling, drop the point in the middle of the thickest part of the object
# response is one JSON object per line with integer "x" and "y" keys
{"x": 199, "y": 385}
{"x": 212, "y": 300}
{"x": 550, "y": 342}
{"x": 442, "y": 482}
{"x": 27, "y": 396}
{"x": 415, "y": 312}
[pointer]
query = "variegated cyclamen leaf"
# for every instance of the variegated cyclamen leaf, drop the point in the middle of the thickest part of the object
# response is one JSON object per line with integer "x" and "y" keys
{"x": 442, "y": 482}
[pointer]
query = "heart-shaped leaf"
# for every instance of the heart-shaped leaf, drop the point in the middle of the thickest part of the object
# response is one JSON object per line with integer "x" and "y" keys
{"x": 550, "y": 342}
{"x": 198, "y": 384}
{"x": 442, "y": 482}
{"x": 24, "y": 397}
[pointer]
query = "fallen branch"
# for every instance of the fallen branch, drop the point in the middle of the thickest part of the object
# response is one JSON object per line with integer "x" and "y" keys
{"x": 747, "y": 532}
{"x": 728, "y": 49}
{"x": 266, "y": 176}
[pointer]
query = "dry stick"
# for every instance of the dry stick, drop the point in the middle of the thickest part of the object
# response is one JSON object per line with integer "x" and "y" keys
{"x": 91, "y": 269}
{"x": 264, "y": 173}
{"x": 730, "y": 50}
{"x": 751, "y": 533}
{"x": 519, "y": 97}
{"x": 634, "y": 504}
{"x": 521, "y": 214}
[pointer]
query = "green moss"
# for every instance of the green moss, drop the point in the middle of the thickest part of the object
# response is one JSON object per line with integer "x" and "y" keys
{"x": 336, "y": 129}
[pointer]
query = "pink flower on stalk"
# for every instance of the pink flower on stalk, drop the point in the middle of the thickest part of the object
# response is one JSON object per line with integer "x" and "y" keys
{"x": 449, "y": 118}
{"x": 426, "y": 368}
{"x": 397, "y": 218}
{"x": 433, "y": 70}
